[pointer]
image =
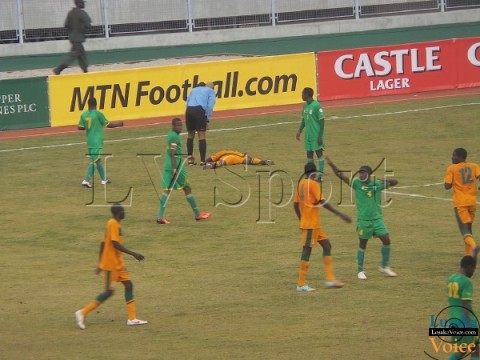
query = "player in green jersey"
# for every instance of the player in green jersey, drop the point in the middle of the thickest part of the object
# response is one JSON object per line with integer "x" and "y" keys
{"x": 369, "y": 213}
{"x": 313, "y": 120}
{"x": 175, "y": 174}
{"x": 460, "y": 295}
{"x": 94, "y": 122}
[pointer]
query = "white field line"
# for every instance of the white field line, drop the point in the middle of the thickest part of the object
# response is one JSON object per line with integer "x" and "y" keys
{"x": 415, "y": 186}
{"x": 248, "y": 127}
{"x": 419, "y": 196}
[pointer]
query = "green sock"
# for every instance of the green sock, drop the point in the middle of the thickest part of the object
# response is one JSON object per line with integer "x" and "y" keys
{"x": 163, "y": 205}
{"x": 360, "y": 258}
{"x": 128, "y": 296}
{"x": 309, "y": 161}
{"x": 385, "y": 255}
{"x": 101, "y": 298}
{"x": 90, "y": 171}
{"x": 193, "y": 204}
{"x": 101, "y": 171}
{"x": 321, "y": 164}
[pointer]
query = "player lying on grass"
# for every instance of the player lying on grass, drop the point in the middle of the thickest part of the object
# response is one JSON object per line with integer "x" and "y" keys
{"x": 233, "y": 157}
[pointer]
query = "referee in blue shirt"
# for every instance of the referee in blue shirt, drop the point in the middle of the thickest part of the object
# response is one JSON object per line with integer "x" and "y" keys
{"x": 200, "y": 103}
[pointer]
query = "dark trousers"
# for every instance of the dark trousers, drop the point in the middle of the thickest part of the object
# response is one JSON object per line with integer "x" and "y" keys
{"x": 76, "y": 52}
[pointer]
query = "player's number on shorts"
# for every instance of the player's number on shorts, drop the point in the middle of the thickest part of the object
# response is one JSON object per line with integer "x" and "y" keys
{"x": 466, "y": 173}
{"x": 453, "y": 290}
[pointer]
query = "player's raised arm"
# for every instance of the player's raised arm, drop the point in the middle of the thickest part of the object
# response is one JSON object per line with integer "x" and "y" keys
{"x": 337, "y": 171}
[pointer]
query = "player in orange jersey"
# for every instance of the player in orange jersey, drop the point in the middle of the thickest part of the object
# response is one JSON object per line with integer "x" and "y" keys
{"x": 112, "y": 264}
{"x": 462, "y": 177}
{"x": 307, "y": 203}
{"x": 233, "y": 157}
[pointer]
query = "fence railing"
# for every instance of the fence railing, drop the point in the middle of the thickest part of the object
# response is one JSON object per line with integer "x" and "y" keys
{"x": 32, "y": 20}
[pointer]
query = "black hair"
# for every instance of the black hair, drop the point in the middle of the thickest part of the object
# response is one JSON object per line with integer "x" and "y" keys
{"x": 468, "y": 261}
{"x": 461, "y": 152}
{"x": 92, "y": 102}
{"x": 176, "y": 119}
{"x": 116, "y": 208}
{"x": 308, "y": 91}
{"x": 366, "y": 168}
{"x": 309, "y": 168}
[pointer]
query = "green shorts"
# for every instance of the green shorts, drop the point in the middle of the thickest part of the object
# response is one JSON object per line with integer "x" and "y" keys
{"x": 311, "y": 144}
{"x": 94, "y": 154}
{"x": 368, "y": 228}
{"x": 180, "y": 183}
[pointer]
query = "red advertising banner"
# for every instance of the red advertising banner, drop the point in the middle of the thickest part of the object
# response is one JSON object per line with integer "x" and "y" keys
{"x": 468, "y": 62}
{"x": 386, "y": 70}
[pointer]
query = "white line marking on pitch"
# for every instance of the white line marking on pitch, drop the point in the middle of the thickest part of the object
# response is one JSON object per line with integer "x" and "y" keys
{"x": 251, "y": 126}
{"x": 420, "y": 196}
{"x": 415, "y": 186}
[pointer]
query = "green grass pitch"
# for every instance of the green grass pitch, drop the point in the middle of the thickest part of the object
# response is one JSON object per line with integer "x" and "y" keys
{"x": 225, "y": 288}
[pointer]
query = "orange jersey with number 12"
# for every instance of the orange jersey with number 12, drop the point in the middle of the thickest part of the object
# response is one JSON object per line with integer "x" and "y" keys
{"x": 463, "y": 177}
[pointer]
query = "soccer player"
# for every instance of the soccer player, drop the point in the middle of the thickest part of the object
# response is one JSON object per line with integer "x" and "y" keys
{"x": 307, "y": 202}
{"x": 460, "y": 296}
{"x": 200, "y": 103}
{"x": 462, "y": 176}
{"x": 233, "y": 157}
{"x": 313, "y": 120}
{"x": 77, "y": 24}
{"x": 369, "y": 214}
{"x": 175, "y": 174}
{"x": 112, "y": 264}
{"x": 93, "y": 122}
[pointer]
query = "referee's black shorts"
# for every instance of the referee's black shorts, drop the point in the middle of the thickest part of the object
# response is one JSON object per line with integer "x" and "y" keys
{"x": 196, "y": 118}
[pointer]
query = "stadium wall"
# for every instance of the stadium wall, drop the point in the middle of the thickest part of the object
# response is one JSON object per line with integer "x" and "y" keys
{"x": 448, "y": 21}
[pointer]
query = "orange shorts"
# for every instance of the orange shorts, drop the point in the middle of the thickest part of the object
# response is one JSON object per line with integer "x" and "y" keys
{"x": 110, "y": 278}
{"x": 465, "y": 214}
{"x": 310, "y": 237}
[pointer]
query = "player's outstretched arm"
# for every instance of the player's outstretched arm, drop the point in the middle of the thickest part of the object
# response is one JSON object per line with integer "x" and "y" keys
{"x": 114, "y": 124}
{"x": 391, "y": 182}
{"x": 337, "y": 171}
{"x": 341, "y": 215}
{"x": 123, "y": 249}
